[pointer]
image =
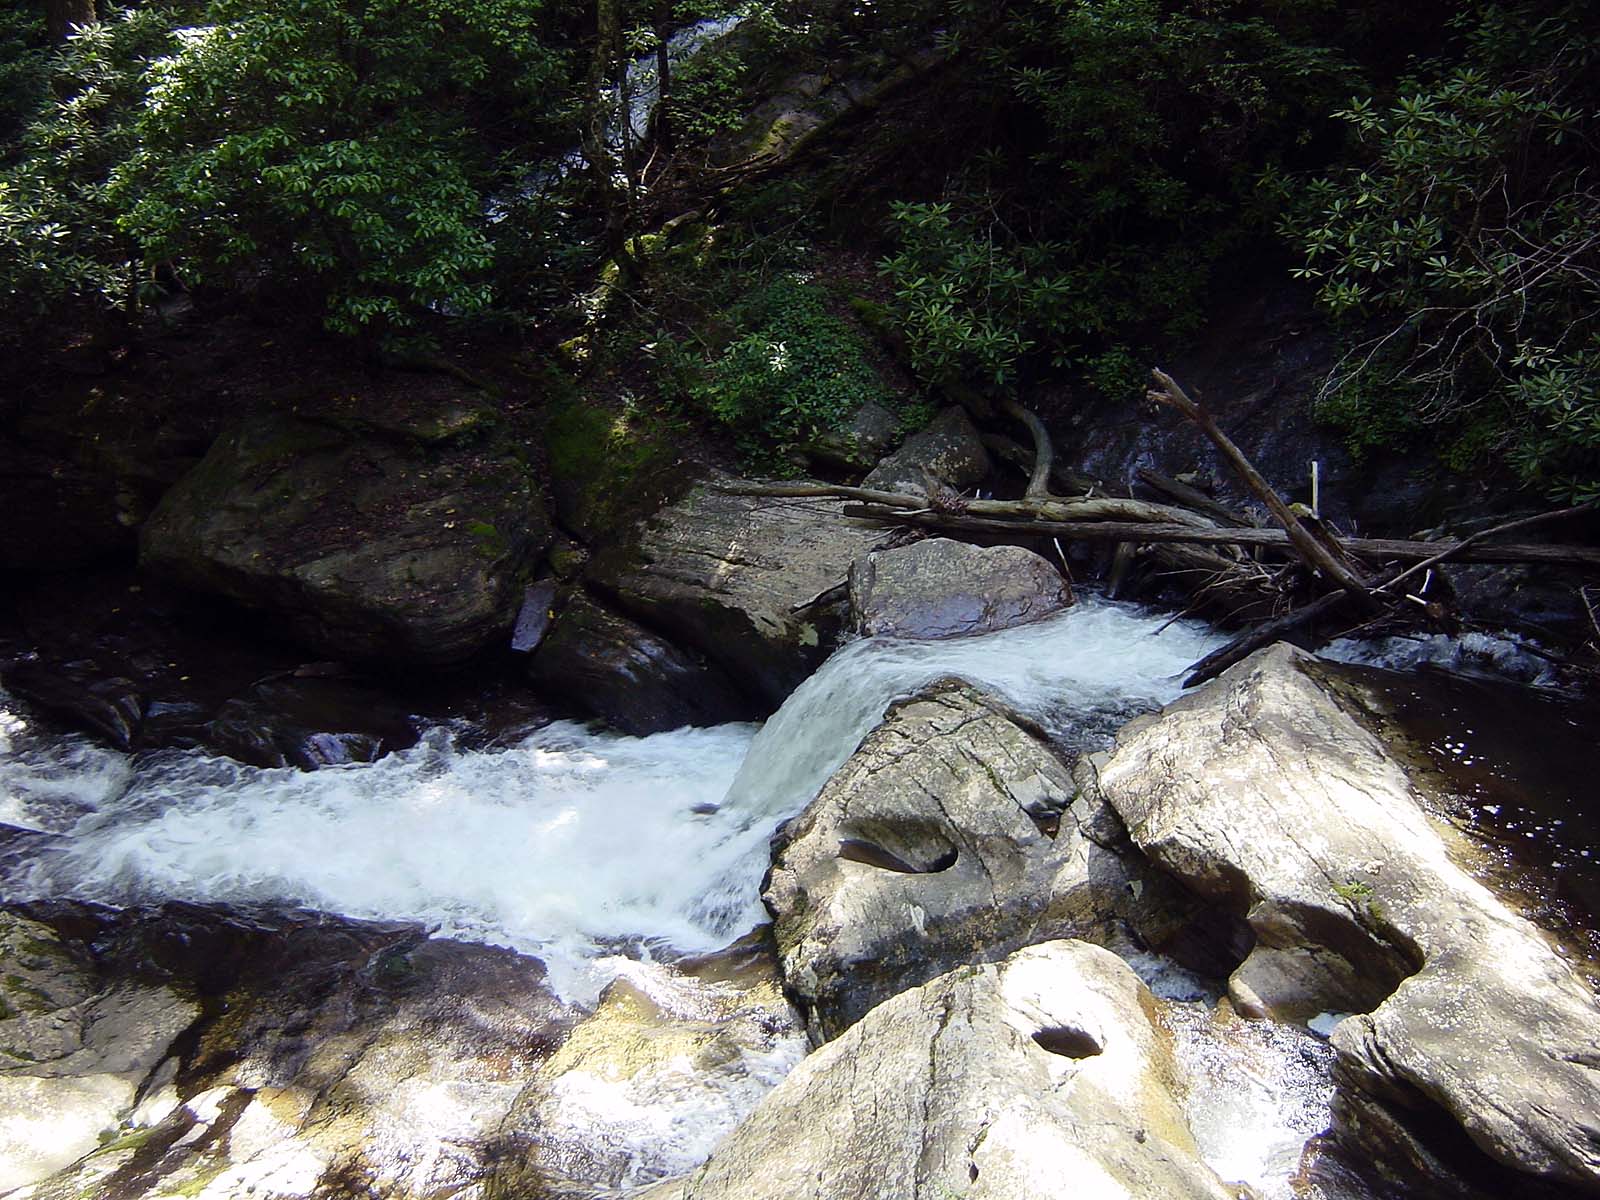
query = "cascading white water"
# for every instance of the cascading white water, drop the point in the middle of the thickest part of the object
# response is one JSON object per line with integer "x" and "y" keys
{"x": 574, "y": 844}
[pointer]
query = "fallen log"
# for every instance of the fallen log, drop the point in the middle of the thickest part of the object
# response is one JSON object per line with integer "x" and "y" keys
{"x": 1320, "y": 553}
{"x": 1371, "y": 549}
{"x": 1193, "y": 498}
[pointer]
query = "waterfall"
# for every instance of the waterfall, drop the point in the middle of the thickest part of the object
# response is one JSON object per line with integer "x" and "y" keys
{"x": 576, "y": 845}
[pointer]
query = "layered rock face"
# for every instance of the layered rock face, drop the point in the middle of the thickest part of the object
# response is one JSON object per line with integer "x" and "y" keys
{"x": 735, "y": 578}
{"x": 376, "y": 548}
{"x": 1042, "y": 1076}
{"x": 1263, "y": 793}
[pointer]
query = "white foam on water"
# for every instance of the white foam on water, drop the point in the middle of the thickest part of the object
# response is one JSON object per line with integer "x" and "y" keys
{"x": 1258, "y": 1091}
{"x": 47, "y": 781}
{"x": 574, "y": 845}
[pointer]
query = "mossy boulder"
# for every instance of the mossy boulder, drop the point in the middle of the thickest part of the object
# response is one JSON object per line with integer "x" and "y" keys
{"x": 608, "y": 465}
{"x": 370, "y": 547}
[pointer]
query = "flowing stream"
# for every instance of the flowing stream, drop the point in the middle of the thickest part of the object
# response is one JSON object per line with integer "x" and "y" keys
{"x": 573, "y": 845}
{"x": 595, "y": 851}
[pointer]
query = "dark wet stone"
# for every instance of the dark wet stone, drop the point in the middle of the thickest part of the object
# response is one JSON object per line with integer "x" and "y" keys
{"x": 630, "y": 678}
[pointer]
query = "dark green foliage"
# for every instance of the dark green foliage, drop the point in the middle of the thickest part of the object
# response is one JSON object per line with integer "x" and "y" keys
{"x": 791, "y": 371}
{"x": 1120, "y": 148}
{"x": 1468, "y": 223}
{"x": 316, "y": 146}
{"x": 23, "y": 68}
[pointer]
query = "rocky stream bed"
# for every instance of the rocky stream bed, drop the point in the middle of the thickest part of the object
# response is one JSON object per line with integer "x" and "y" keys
{"x": 382, "y": 837}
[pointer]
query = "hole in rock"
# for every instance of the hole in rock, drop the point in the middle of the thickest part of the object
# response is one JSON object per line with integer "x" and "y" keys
{"x": 1047, "y": 823}
{"x": 910, "y": 845}
{"x": 1069, "y": 1042}
{"x": 857, "y": 850}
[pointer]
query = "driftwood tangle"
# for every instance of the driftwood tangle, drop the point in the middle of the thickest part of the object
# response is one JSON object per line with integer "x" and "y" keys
{"x": 1198, "y": 538}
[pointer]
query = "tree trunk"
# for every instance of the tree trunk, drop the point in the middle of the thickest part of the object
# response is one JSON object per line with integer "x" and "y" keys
{"x": 663, "y": 128}
{"x": 64, "y": 16}
{"x": 606, "y": 70}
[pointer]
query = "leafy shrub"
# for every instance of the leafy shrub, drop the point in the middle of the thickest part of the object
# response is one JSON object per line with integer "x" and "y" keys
{"x": 316, "y": 145}
{"x": 1122, "y": 140}
{"x": 792, "y": 371}
{"x": 1468, "y": 222}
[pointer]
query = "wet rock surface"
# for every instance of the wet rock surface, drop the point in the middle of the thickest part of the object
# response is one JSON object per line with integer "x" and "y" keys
{"x": 1263, "y": 793}
{"x": 649, "y": 1083}
{"x": 944, "y": 588}
{"x": 1041, "y": 1076}
{"x": 630, "y": 678}
{"x": 951, "y": 836}
{"x": 370, "y": 547}
{"x": 286, "y": 1055}
{"x": 142, "y": 667}
{"x": 737, "y": 578}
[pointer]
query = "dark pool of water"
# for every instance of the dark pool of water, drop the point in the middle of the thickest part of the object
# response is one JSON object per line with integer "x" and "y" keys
{"x": 1522, "y": 766}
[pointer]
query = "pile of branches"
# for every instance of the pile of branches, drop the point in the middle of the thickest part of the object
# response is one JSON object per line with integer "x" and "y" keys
{"x": 1287, "y": 578}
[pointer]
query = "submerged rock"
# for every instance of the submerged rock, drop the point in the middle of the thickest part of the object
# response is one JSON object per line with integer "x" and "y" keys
{"x": 375, "y": 548}
{"x": 738, "y": 578}
{"x": 647, "y": 1085}
{"x": 628, "y": 677}
{"x": 951, "y": 836}
{"x": 949, "y": 449}
{"x": 944, "y": 588}
{"x": 1043, "y": 1076}
{"x": 1263, "y": 793}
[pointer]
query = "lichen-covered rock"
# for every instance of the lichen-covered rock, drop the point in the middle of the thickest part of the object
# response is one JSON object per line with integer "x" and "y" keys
{"x": 1262, "y": 792}
{"x": 951, "y": 836}
{"x": 377, "y": 548}
{"x": 630, "y": 678}
{"x": 738, "y": 578}
{"x": 949, "y": 449}
{"x": 940, "y": 588}
{"x": 1038, "y": 1078}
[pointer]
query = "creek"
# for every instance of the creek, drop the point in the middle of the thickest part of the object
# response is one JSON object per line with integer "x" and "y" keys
{"x": 602, "y": 854}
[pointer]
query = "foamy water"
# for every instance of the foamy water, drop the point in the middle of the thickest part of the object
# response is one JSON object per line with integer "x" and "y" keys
{"x": 574, "y": 845}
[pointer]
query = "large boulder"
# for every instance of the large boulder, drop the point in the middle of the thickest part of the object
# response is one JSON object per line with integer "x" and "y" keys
{"x": 1264, "y": 793}
{"x": 951, "y": 836}
{"x": 629, "y": 677}
{"x": 858, "y": 443}
{"x": 950, "y": 449}
{"x": 1040, "y": 1077}
{"x": 944, "y": 588}
{"x": 377, "y": 546}
{"x": 741, "y": 579}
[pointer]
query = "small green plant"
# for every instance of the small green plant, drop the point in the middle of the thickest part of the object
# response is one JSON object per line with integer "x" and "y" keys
{"x": 793, "y": 370}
